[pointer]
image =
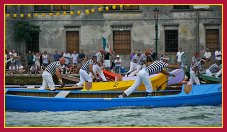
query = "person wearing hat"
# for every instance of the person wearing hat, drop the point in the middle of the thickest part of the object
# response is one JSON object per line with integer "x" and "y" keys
{"x": 133, "y": 63}
{"x": 207, "y": 56}
{"x": 194, "y": 71}
{"x": 117, "y": 62}
{"x": 143, "y": 76}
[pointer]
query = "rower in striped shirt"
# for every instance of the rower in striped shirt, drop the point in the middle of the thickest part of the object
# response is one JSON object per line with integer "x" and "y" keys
{"x": 143, "y": 76}
{"x": 140, "y": 64}
{"x": 85, "y": 71}
{"x": 52, "y": 69}
{"x": 212, "y": 69}
{"x": 194, "y": 71}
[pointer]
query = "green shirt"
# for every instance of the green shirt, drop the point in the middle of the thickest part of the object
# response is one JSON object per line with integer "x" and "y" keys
{"x": 30, "y": 58}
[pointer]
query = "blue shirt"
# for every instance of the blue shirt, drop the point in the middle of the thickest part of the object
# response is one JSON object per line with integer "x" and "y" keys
{"x": 56, "y": 57}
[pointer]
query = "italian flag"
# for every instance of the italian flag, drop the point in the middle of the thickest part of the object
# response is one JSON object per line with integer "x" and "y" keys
{"x": 106, "y": 44}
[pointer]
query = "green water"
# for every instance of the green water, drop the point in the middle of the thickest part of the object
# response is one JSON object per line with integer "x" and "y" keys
{"x": 198, "y": 116}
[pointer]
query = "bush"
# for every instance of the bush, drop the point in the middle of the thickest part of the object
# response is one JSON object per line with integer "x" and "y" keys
{"x": 23, "y": 31}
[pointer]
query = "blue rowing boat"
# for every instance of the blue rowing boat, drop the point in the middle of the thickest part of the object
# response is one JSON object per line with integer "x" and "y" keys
{"x": 44, "y": 100}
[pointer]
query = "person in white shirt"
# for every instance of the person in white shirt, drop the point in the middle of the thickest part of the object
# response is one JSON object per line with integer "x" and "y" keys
{"x": 75, "y": 57}
{"x": 134, "y": 61}
{"x": 218, "y": 55}
{"x": 33, "y": 60}
{"x": 13, "y": 61}
{"x": 195, "y": 68}
{"x": 179, "y": 54}
{"x": 33, "y": 69}
{"x": 98, "y": 65}
{"x": 207, "y": 56}
{"x": 67, "y": 57}
{"x": 117, "y": 64}
{"x": 140, "y": 64}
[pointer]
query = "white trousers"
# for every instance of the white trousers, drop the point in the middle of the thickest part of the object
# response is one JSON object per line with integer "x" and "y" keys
{"x": 218, "y": 73}
{"x": 132, "y": 67}
{"x": 138, "y": 68}
{"x": 47, "y": 81}
{"x": 193, "y": 78}
{"x": 97, "y": 68}
{"x": 143, "y": 76}
{"x": 107, "y": 63}
{"x": 84, "y": 76}
{"x": 208, "y": 73}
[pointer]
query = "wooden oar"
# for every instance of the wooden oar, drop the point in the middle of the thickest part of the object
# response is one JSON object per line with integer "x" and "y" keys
{"x": 59, "y": 88}
{"x": 9, "y": 60}
{"x": 70, "y": 78}
{"x": 159, "y": 87}
{"x": 130, "y": 72}
{"x": 33, "y": 86}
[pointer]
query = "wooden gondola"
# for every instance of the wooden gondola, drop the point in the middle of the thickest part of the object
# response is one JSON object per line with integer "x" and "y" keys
{"x": 44, "y": 100}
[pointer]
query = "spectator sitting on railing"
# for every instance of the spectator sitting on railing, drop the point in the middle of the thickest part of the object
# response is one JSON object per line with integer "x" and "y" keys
{"x": 69, "y": 69}
{"x": 33, "y": 69}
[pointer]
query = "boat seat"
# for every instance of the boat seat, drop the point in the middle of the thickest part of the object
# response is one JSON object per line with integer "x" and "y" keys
{"x": 62, "y": 94}
{"x": 30, "y": 86}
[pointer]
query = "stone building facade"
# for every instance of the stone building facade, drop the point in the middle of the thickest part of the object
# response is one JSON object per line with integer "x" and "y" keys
{"x": 127, "y": 28}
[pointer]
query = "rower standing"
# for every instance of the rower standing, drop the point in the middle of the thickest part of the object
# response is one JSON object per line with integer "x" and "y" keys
{"x": 212, "y": 69}
{"x": 194, "y": 71}
{"x": 51, "y": 69}
{"x": 133, "y": 62}
{"x": 85, "y": 71}
{"x": 143, "y": 76}
{"x": 140, "y": 64}
{"x": 97, "y": 66}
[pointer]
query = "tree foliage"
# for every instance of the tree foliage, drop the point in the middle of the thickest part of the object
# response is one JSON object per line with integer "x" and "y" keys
{"x": 23, "y": 31}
